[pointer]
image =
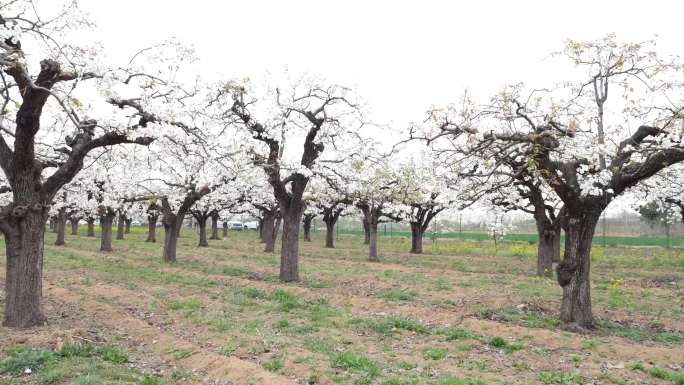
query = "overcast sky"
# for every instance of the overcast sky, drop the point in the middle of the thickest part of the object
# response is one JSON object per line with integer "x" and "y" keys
{"x": 400, "y": 56}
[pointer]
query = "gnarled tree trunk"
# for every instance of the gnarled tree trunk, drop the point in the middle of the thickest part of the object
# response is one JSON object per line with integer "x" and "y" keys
{"x": 214, "y": 226}
{"x": 269, "y": 231}
{"x": 172, "y": 228}
{"x": 91, "y": 227}
{"x": 225, "y": 230}
{"x": 261, "y": 229}
{"x": 106, "y": 224}
{"x": 152, "y": 228}
{"x": 416, "y": 238}
{"x": 366, "y": 232}
{"x": 202, "y": 223}
{"x": 74, "y": 225}
{"x": 61, "y": 227}
{"x": 373, "y": 241}
{"x": 120, "y": 224}
{"x": 289, "y": 254}
{"x": 24, "y": 270}
{"x": 573, "y": 271}
{"x": 128, "y": 222}
{"x": 330, "y": 234}
{"x": 307, "y": 227}
{"x": 548, "y": 250}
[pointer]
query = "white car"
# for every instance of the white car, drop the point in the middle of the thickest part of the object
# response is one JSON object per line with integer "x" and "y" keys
{"x": 251, "y": 225}
{"x": 235, "y": 225}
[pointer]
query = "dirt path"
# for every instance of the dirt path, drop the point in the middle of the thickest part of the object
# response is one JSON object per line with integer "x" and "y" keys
{"x": 215, "y": 368}
{"x": 617, "y": 348}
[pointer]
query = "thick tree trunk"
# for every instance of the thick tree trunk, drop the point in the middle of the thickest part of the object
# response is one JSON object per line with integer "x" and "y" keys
{"x": 202, "y": 222}
{"x": 307, "y": 228}
{"x": 366, "y": 232}
{"x": 61, "y": 227}
{"x": 171, "y": 232}
{"x": 152, "y": 228}
{"x": 74, "y": 226}
{"x": 330, "y": 234}
{"x": 268, "y": 232}
{"x": 373, "y": 241}
{"x": 214, "y": 226}
{"x": 573, "y": 271}
{"x": 225, "y": 230}
{"x": 91, "y": 227}
{"x": 106, "y": 224}
{"x": 24, "y": 271}
{"x": 120, "y": 226}
{"x": 416, "y": 238}
{"x": 557, "y": 246}
{"x": 128, "y": 222}
{"x": 261, "y": 229}
{"x": 548, "y": 250}
{"x": 289, "y": 253}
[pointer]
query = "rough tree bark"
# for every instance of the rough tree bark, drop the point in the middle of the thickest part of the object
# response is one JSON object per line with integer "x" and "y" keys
{"x": 573, "y": 271}
{"x": 371, "y": 218}
{"x": 330, "y": 217}
{"x": 306, "y": 223}
{"x": 23, "y": 221}
{"x": 91, "y": 227}
{"x": 416, "y": 238}
{"x": 74, "y": 225}
{"x": 61, "y": 227}
{"x": 548, "y": 250}
{"x": 268, "y": 230}
{"x": 120, "y": 224}
{"x": 201, "y": 218}
{"x": 128, "y": 222}
{"x": 173, "y": 221}
{"x": 152, "y": 227}
{"x": 107, "y": 216}
{"x": 225, "y": 230}
{"x": 214, "y": 225}
{"x": 289, "y": 253}
{"x": 366, "y": 231}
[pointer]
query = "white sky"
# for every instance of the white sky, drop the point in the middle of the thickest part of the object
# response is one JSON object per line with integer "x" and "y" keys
{"x": 400, "y": 56}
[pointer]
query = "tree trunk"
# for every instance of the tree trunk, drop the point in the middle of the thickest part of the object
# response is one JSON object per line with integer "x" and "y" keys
{"x": 24, "y": 271}
{"x": 269, "y": 232}
{"x": 202, "y": 222}
{"x": 120, "y": 226}
{"x": 152, "y": 228}
{"x": 289, "y": 253}
{"x": 214, "y": 226}
{"x": 330, "y": 234}
{"x": 545, "y": 251}
{"x": 172, "y": 226}
{"x": 416, "y": 238}
{"x": 307, "y": 228}
{"x": 373, "y": 241}
{"x": 261, "y": 229}
{"x": 74, "y": 226}
{"x": 366, "y": 232}
{"x": 128, "y": 222}
{"x": 61, "y": 227}
{"x": 91, "y": 227}
{"x": 171, "y": 232}
{"x": 556, "y": 246}
{"x": 225, "y": 230}
{"x": 106, "y": 223}
{"x": 573, "y": 272}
